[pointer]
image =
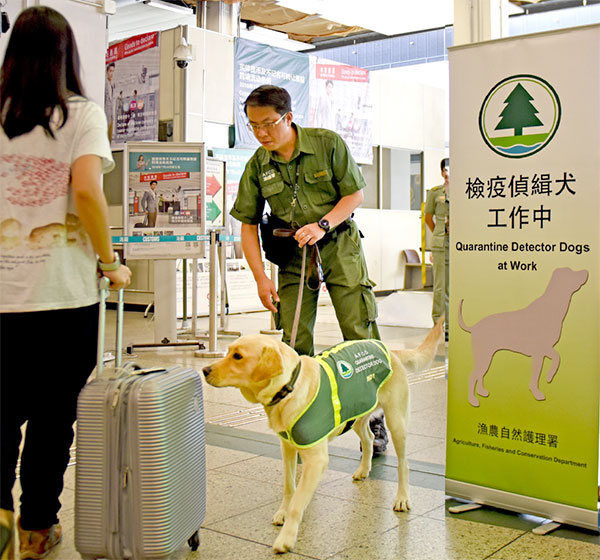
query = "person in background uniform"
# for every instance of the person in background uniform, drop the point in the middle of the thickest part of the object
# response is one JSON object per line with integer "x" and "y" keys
{"x": 312, "y": 183}
{"x": 54, "y": 230}
{"x": 437, "y": 218}
{"x": 150, "y": 204}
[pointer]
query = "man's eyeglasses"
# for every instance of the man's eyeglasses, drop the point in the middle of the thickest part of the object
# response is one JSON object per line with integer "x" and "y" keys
{"x": 253, "y": 127}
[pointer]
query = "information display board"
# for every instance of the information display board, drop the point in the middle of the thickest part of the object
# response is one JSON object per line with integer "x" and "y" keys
{"x": 164, "y": 199}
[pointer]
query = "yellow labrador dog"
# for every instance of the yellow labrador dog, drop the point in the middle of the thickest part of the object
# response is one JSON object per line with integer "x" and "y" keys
{"x": 269, "y": 372}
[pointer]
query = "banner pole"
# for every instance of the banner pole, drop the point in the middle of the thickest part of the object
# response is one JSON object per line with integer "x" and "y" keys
{"x": 212, "y": 304}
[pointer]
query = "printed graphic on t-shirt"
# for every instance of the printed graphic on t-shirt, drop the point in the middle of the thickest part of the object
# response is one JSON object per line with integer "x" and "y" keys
{"x": 33, "y": 181}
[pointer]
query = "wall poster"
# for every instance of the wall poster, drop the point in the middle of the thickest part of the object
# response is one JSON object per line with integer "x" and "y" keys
{"x": 256, "y": 65}
{"x": 131, "y": 89}
{"x": 340, "y": 100}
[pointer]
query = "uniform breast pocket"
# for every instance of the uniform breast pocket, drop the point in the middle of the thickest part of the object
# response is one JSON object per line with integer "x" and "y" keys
{"x": 274, "y": 194}
{"x": 321, "y": 188}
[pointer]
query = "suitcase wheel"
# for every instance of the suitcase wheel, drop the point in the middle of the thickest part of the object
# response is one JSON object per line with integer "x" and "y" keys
{"x": 194, "y": 541}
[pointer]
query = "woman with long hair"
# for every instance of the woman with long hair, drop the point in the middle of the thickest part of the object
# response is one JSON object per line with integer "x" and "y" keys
{"x": 54, "y": 238}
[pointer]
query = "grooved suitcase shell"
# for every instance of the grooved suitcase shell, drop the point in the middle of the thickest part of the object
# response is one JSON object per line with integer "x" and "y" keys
{"x": 141, "y": 474}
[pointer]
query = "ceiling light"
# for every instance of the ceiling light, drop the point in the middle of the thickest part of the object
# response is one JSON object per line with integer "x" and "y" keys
{"x": 169, "y": 7}
{"x": 273, "y": 38}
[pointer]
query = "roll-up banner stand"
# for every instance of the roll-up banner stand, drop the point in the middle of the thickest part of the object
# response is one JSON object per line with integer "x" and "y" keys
{"x": 165, "y": 200}
{"x": 524, "y": 346}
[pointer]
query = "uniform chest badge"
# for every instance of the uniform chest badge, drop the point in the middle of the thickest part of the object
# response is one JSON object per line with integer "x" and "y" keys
{"x": 268, "y": 175}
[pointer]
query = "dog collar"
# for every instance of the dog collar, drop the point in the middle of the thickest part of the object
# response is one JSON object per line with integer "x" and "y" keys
{"x": 288, "y": 387}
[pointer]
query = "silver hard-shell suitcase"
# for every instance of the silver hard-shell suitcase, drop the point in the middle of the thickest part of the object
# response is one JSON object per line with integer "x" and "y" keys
{"x": 140, "y": 475}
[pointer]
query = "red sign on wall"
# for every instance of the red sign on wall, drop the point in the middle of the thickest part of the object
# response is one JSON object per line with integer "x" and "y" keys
{"x": 342, "y": 72}
{"x": 168, "y": 176}
{"x": 131, "y": 46}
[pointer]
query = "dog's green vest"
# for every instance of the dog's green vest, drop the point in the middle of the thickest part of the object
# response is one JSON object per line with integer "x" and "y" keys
{"x": 350, "y": 378}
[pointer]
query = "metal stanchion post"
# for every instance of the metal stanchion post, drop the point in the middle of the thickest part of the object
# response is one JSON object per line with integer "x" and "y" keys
{"x": 272, "y": 330}
{"x": 184, "y": 322}
{"x": 194, "y": 295}
{"x": 212, "y": 303}
{"x": 223, "y": 313}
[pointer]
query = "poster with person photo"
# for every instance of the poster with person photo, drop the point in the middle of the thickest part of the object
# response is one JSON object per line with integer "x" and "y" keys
{"x": 340, "y": 100}
{"x": 164, "y": 200}
{"x": 131, "y": 89}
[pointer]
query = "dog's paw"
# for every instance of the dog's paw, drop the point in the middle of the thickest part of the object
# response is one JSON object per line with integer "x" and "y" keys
{"x": 279, "y": 517}
{"x": 401, "y": 503}
{"x": 360, "y": 474}
{"x": 283, "y": 543}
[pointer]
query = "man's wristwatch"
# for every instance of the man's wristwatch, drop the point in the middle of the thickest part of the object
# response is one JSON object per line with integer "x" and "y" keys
{"x": 324, "y": 225}
{"x": 111, "y": 266}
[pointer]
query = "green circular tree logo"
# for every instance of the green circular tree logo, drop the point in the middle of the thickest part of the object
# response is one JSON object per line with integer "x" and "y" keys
{"x": 519, "y": 116}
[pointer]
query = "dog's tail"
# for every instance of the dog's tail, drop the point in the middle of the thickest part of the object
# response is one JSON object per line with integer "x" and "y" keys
{"x": 420, "y": 358}
{"x": 461, "y": 322}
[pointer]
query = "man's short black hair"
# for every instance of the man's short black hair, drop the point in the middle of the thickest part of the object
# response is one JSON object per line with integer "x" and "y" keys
{"x": 269, "y": 96}
{"x": 155, "y": 182}
{"x": 444, "y": 163}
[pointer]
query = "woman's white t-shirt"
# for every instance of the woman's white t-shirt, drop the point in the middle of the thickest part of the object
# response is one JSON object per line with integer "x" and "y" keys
{"x": 46, "y": 257}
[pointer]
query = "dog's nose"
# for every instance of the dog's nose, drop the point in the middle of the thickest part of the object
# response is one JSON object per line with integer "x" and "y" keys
{"x": 206, "y": 370}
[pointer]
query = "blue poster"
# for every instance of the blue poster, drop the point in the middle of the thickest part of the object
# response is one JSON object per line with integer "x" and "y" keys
{"x": 256, "y": 65}
{"x": 236, "y": 163}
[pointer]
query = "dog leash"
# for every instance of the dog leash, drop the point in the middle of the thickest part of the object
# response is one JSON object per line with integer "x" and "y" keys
{"x": 316, "y": 258}
{"x": 289, "y": 386}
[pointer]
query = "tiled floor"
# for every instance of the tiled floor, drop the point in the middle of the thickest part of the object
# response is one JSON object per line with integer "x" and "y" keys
{"x": 346, "y": 520}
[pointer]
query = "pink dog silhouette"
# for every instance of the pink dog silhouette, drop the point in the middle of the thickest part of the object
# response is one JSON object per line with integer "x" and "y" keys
{"x": 531, "y": 331}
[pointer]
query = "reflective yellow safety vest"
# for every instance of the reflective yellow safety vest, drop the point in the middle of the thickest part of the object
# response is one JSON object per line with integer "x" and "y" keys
{"x": 350, "y": 378}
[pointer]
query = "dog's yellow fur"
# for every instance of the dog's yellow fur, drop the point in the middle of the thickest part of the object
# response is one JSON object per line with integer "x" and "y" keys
{"x": 260, "y": 366}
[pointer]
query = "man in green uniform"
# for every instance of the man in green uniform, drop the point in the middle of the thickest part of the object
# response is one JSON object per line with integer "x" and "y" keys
{"x": 311, "y": 182}
{"x": 437, "y": 206}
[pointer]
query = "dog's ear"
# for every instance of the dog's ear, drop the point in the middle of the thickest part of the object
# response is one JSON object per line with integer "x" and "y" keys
{"x": 270, "y": 365}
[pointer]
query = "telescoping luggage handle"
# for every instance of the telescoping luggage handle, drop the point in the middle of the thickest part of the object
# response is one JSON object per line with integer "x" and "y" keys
{"x": 121, "y": 369}
{"x": 104, "y": 284}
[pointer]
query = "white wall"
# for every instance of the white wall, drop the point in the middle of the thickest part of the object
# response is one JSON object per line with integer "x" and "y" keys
{"x": 387, "y": 233}
{"x": 207, "y": 81}
{"x": 400, "y": 179}
{"x": 411, "y": 111}
{"x": 89, "y": 26}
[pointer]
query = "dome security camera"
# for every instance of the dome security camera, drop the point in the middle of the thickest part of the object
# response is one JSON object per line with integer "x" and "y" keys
{"x": 183, "y": 54}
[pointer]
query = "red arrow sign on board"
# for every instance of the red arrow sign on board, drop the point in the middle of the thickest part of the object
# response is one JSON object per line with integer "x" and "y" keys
{"x": 212, "y": 185}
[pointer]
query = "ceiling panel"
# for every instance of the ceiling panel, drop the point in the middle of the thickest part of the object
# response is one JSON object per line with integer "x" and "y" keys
{"x": 135, "y": 18}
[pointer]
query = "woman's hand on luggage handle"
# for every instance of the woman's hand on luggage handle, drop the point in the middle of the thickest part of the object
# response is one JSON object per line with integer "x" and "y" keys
{"x": 120, "y": 278}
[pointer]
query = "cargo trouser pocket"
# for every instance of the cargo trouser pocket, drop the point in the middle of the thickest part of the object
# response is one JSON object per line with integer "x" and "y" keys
{"x": 369, "y": 304}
